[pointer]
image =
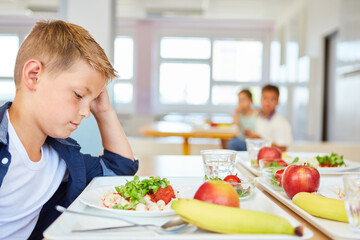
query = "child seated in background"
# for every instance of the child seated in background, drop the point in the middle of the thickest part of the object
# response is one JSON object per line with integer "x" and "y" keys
{"x": 270, "y": 125}
{"x": 60, "y": 77}
{"x": 244, "y": 117}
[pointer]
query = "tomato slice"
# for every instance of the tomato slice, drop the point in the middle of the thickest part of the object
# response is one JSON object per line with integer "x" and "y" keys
{"x": 232, "y": 179}
{"x": 278, "y": 175}
{"x": 325, "y": 165}
{"x": 165, "y": 194}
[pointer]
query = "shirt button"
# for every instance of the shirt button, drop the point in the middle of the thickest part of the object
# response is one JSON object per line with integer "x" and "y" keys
{"x": 4, "y": 161}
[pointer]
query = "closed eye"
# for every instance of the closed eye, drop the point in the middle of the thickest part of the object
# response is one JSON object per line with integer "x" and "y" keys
{"x": 77, "y": 95}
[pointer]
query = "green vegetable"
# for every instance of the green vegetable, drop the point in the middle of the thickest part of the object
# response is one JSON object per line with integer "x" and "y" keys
{"x": 214, "y": 178}
{"x": 136, "y": 190}
{"x": 125, "y": 207}
{"x": 307, "y": 164}
{"x": 274, "y": 164}
{"x": 273, "y": 180}
{"x": 242, "y": 192}
{"x": 333, "y": 159}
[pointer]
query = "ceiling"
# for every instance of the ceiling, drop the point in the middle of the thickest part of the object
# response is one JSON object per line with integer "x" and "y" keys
{"x": 264, "y": 10}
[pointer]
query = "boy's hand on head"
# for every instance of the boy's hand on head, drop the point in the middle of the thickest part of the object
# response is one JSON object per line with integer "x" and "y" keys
{"x": 112, "y": 135}
{"x": 101, "y": 104}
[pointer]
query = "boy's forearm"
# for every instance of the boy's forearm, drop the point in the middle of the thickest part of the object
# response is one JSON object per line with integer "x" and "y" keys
{"x": 112, "y": 134}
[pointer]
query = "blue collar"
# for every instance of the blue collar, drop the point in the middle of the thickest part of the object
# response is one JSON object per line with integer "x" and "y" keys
{"x": 4, "y": 123}
{"x": 268, "y": 117}
{"x": 4, "y": 129}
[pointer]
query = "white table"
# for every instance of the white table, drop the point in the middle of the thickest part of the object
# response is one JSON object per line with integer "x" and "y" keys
{"x": 188, "y": 166}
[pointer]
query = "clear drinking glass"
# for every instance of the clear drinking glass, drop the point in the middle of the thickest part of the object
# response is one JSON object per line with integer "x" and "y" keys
{"x": 253, "y": 146}
{"x": 352, "y": 200}
{"x": 218, "y": 162}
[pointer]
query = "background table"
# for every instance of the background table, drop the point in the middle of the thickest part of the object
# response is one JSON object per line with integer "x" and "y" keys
{"x": 186, "y": 131}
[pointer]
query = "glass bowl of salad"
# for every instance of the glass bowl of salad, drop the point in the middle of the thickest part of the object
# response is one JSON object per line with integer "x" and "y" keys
{"x": 244, "y": 186}
{"x": 267, "y": 163}
{"x": 245, "y": 189}
{"x": 273, "y": 177}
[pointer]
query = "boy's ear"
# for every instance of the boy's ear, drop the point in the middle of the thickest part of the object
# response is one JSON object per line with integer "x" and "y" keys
{"x": 31, "y": 70}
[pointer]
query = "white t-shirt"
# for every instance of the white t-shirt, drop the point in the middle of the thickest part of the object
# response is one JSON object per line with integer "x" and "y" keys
{"x": 276, "y": 129}
{"x": 26, "y": 187}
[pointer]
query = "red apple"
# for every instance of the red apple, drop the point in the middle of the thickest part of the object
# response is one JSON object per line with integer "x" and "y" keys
{"x": 300, "y": 178}
{"x": 269, "y": 153}
{"x": 218, "y": 192}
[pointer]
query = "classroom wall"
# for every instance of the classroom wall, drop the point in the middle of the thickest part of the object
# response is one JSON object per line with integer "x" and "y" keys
{"x": 317, "y": 22}
{"x": 346, "y": 112}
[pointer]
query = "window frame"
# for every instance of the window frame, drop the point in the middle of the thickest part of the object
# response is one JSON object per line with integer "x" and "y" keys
{"x": 124, "y": 108}
{"x": 19, "y": 28}
{"x": 261, "y": 35}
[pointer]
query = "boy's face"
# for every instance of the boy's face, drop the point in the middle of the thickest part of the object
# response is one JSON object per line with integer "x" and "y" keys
{"x": 269, "y": 101}
{"x": 63, "y": 100}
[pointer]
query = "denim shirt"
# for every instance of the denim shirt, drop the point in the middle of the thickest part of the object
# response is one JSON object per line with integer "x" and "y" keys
{"x": 82, "y": 168}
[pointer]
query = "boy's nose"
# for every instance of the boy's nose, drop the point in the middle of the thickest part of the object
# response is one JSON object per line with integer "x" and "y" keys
{"x": 85, "y": 111}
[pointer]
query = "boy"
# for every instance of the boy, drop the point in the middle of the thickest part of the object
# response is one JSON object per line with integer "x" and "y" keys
{"x": 270, "y": 125}
{"x": 60, "y": 77}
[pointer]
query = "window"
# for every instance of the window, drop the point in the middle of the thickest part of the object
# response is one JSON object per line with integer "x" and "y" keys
{"x": 292, "y": 77}
{"x": 124, "y": 65}
{"x": 184, "y": 83}
{"x": 222, "y": 95}
{"x": 206, "y": 73}
{"x": 300, "y": 111}
{"x": 9, "y": 45}
{"x": 292, "y": 52}
{"x": 187, "y": 48}
{"x": 239, "y": 61}
{"x": 7, "y": 90}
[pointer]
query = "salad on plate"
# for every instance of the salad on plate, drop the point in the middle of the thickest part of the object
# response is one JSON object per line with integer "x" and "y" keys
{"x": 153, "y": 194}
{"x": 326, "y": 161}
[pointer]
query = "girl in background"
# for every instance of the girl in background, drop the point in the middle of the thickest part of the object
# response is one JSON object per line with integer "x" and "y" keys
{"x": 244, "y": 117}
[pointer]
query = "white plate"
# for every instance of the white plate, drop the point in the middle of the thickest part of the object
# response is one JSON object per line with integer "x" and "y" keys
{"x": 61, "y": 228}
{"x": 334, "y": 229}
{"x": 333, "y": 191}
{"x": 244, "y": 160}
{"x": 92, "y": 198}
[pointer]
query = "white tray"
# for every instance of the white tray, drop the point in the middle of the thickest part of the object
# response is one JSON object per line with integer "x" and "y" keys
{"x": 61, "y": 228}
{"x": 334, "y": 229}
{"x": 243, "y": 158}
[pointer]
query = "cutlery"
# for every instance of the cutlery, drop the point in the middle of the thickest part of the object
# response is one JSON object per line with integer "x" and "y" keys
{"x": 173, "y": 225}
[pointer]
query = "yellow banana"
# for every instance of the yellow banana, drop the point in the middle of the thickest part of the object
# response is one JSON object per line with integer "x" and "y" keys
{"x": 320, "y": 206}
{"x": 223, "y": 219}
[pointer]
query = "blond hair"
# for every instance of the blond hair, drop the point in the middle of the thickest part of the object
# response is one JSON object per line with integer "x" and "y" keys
{"x": 58, "y": 45}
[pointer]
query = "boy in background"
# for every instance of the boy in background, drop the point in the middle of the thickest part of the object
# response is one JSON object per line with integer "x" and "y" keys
{"x": 60, "y": 77}
{"x": 270, "y": 125}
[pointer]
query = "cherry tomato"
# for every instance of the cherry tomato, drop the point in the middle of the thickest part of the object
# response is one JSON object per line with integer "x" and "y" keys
{"x": 281, "y": 163}
{"x": 232, "y": 179}
{"x": 278, "y": 175}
